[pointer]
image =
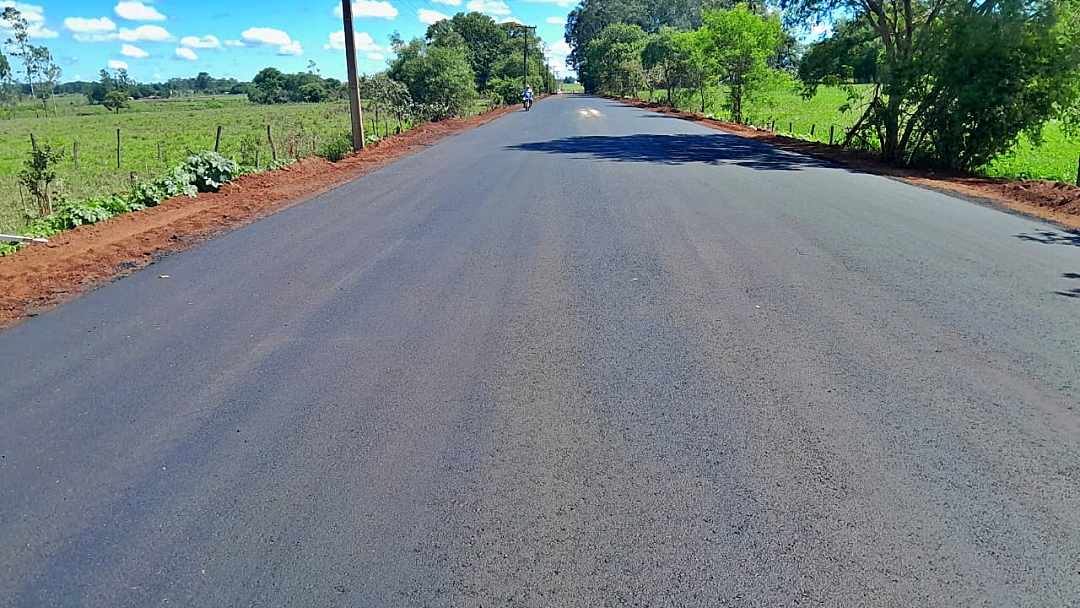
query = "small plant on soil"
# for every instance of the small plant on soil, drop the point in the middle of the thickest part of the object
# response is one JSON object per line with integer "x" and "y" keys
{"x": 39, "y": 174}
{"x": 337, "y": 148}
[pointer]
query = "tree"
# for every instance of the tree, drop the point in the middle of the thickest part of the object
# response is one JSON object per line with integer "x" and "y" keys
{"x": 739, "y": 44}
{"x": 612, "y": 60}
{"x": 664, "y": 53}
{"x": 437, "y": 77}
{"x": 958, "y": 80}
{"x": 19, "y": 45}
{"x": 268, "y": 86}
{"x": 48, "y": 72}
{"x": 590, "y": 17}
{"x": 115, "y": 101}
{"x": 203, "y": 81}
{"x": 484, "y": 41}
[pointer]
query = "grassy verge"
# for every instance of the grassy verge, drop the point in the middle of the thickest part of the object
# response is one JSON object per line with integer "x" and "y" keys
{"x": 181, "y": 127}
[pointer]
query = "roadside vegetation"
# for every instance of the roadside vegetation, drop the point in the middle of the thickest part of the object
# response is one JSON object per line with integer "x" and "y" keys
{"x": 991, "y": 87}
{"x": 79, "y": 152}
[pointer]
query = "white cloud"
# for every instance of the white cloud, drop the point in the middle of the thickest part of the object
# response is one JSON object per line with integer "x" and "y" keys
{"x": 148, "y": 33}
{"x": 488, "y": 7}
{"x": 293, "y": 48}
{"x": 511, "y": 20}
{"x": 206, "y": 42}
{"x": 137, "y": 11}
{"x": 117, "y": 65}
{"x": 129, "y": 50}
{"x": 89, "y": 26}
{"x": 38, "y": 30}
{"x": 265, "y": 35}
{"x": 556, "y": 20}
{"x": 235, "y": 43}
{"x": 364, "y": 42}
{"x": 557, "y": 53}
{"x": 371, "y": 8}
{"x": 185, "y": 53}
{"x": 376, "y": 56}
{"x": 429, "y": 16}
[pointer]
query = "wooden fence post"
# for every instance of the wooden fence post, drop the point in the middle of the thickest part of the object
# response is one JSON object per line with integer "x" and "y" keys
{"x": 33, "y": 142}
{"x": 812, "y": 128}
{"x": 270, "y": 138}
{"x": 790, "y": 127}
{"x": 160, "y": 157}
{"x": 832, "y": 129}
{"x": 75, "y": 153}
{"x": 117, "y": 148}
{"x": 217, "y": 140}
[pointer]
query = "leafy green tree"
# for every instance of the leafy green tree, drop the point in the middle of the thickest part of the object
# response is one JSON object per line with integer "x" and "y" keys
{"x": 438, "y": 77}
{"x": 115, "y": 101}
{"x": 313, "y": 92}
{"x": 483, "y": 39}
{"x": 739, "y": 44}
{"x": 268, "y": 87}
{"x": 612, "y": 61}
{"x": 665, "y": 54}
{"x": 958, "y": 80}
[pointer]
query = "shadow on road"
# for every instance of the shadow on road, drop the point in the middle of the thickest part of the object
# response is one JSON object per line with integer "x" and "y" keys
{"x": 1053, "y": 237}
{"x": 714, "y": 149}
{"x": 1070, "y": 293}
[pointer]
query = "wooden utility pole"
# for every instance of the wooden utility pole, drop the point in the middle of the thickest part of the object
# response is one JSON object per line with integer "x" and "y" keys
{"x": 354, "y": 80}
{"x": 525, "y": 58}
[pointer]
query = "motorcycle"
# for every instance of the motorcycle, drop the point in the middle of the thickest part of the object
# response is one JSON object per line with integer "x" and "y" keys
{"x": 526, "y": 103}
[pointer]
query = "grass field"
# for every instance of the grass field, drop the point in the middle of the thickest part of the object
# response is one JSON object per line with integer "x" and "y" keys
{"x": 1055, "y": 158}
{"x": 182, "y": 126}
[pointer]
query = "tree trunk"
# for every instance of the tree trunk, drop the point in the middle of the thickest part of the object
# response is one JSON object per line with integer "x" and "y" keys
{"x": 890, "y": 148}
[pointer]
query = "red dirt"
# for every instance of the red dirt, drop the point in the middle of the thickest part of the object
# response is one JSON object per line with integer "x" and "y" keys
{"x": 1055, "y": 201}
{"x": 73, "y": 262}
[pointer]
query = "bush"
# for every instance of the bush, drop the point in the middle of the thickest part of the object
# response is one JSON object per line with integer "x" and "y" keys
{"x": 211, "y": 170}
{"x": 336, "y": 148}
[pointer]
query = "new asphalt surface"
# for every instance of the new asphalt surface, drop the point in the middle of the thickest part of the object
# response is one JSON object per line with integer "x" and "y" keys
{"x": 581, "y": 356}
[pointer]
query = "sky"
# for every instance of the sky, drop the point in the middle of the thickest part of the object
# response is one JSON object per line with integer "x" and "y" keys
{"x": 160, "y": 39}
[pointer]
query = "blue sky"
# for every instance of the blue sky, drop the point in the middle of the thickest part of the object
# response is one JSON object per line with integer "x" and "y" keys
{"x": 161, "y": 39}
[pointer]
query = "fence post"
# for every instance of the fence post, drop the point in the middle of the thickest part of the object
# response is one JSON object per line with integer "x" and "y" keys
{"x": 790, "y": 127}
{"x": 33, "y": 142}
{"x": 832, "y": 129}
{"x": 117, "y": 148}
{"x": 160, "y": 157}
{"x": 270, "y": 138}
{"x": 75, "y": 153}
{"x": 812, "y": 128}
{"x": 217, "y": 140}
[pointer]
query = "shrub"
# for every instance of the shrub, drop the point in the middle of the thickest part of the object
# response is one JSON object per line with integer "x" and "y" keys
{"x": 336, "y": 148}
{"x": 211, "y": 170}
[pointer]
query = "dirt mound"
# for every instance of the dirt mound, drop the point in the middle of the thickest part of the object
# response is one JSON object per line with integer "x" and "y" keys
{"x": 75, "y": 261}
{"x": 1055, "y": 201}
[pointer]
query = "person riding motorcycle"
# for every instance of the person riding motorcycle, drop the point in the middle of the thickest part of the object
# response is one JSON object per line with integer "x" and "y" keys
{"x": 527, "y": 97}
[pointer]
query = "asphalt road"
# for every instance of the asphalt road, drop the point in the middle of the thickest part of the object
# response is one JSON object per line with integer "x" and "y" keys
{"x": 583, "y": 356}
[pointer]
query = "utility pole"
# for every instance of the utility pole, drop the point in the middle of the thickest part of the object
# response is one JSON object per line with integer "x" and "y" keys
{"x": 354, "y": 81}
{"x": 525, "y": 58}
